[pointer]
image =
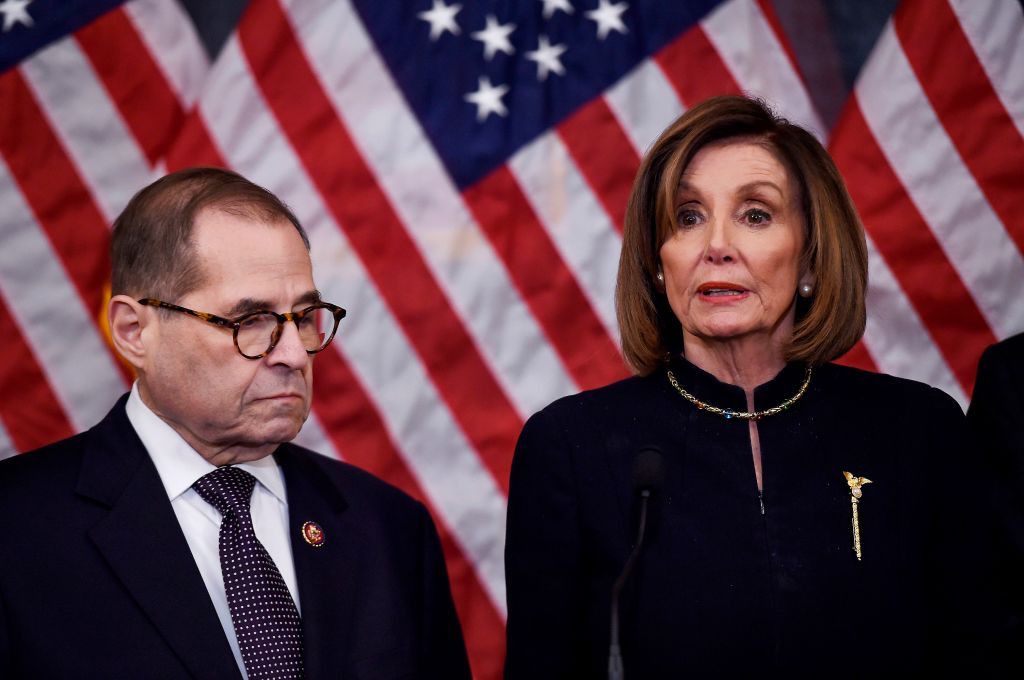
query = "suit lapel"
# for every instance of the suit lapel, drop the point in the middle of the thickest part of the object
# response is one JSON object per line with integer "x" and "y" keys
{"x": 327, "y": 574}
{"x": 141, "y": 540}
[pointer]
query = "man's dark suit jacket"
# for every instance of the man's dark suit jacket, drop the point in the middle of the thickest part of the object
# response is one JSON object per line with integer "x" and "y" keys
{"x": 996, "y": 416}
{"x": 97, "y": 580}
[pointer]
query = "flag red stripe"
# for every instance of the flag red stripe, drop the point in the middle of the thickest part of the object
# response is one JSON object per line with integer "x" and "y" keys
{"x": 69, "y": 217}
{"x": 29, "y": 409}
{"x": 608, "y": 167}
{"x": 968, "y": 106}
{"x": 358, "y": 432}
{"x": 858, "y": 357}
{"x": 358, "y": 204}
{"x": 193, "y": 146}
{"x": 133, "y": 81}
{"x": 910, "y": 248}
{"x": 694, "y": 68}
{"x": 543, "y": 280}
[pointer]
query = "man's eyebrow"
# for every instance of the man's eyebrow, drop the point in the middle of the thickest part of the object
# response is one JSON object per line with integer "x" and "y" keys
{"x": 309, "y": 298}
{"x": 246, "y": 305}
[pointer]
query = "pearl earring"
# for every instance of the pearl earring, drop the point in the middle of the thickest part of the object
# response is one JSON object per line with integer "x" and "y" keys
{"x": 806, "y": 290}
{"x": 660, "y": 277}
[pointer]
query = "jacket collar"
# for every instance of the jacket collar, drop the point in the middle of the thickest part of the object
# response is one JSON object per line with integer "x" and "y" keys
{"x": 142, "y": 542}
{"x": 328, "y": 574}
{"x": 713, "y": 391}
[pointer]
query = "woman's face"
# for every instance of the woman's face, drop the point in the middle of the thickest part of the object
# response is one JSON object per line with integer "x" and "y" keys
{"x": 731, "y": 269}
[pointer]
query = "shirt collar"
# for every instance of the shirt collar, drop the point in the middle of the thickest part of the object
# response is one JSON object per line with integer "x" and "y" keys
{"x": 178, "y": 464}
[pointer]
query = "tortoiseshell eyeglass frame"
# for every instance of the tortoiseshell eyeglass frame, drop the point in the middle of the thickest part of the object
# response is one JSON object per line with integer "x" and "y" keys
{"x": 236, "y": 323}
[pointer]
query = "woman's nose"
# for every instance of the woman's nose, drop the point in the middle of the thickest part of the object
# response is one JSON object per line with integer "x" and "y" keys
{"x": 719, "y": 247}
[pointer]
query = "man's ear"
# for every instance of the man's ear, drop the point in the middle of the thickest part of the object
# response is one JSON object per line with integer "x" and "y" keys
{"x": 128, "y": 320}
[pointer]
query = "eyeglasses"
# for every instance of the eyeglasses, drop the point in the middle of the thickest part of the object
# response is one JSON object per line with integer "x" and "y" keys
{"x": 257, "y": 333}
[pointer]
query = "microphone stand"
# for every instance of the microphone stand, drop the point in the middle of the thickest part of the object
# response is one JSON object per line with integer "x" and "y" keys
{"x": 615, "y": 671}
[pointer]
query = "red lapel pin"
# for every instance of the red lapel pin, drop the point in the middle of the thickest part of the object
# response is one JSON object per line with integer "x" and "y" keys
{"x": 313, "y": 533}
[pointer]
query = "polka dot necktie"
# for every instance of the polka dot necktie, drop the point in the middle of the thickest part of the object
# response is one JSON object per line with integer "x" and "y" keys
{"x": 266, "y": 620}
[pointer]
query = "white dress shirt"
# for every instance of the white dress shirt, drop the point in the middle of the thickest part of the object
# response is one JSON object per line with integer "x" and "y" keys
{"x": 179, "y": 466}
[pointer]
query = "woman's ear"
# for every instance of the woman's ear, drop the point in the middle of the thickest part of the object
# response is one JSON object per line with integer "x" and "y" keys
{"x": 659, "y": 281}
{"x": 805, "y": 288}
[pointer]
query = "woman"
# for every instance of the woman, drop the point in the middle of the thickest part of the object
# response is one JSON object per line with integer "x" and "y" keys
{"x": 742, "y": 275}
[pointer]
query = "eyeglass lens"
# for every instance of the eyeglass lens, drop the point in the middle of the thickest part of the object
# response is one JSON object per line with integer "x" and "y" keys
{"x": 256, "y": 332}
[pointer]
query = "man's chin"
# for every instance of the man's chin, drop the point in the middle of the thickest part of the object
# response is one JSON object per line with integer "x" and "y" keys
{"x": 279, "y": 433}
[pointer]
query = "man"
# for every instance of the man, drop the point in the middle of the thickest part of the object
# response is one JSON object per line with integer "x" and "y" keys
{"x": 183, "y": 536}
{"x": 996, "y": 417}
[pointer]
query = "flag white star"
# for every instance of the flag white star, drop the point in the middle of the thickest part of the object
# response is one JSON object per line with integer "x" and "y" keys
{"x": 15, "y": 12}
{"x": 608, "y": 17}
{"x": 552, "y": 6}
{"x": 488, "y": 99}
{"x": 495, "y": 37}
{"x": 547, "y": 57}
{"x": 441, "y": 18}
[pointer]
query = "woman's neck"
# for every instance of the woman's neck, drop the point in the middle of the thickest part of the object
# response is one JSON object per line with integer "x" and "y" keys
{"x": 744, "y": 362}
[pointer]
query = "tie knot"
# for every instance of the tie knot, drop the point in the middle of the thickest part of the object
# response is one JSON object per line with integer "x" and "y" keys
{"x": 227, "y": 488}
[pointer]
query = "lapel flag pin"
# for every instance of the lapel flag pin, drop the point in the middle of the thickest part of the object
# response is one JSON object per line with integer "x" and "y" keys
{"x": 313, "y": 533}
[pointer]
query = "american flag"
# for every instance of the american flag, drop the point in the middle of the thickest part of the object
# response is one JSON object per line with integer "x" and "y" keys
{"x": 462, "y": 169}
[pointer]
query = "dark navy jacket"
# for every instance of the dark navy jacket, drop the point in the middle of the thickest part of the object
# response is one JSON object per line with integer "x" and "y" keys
{"x": 996, "y": 417}
{"x": 97, "y": 580}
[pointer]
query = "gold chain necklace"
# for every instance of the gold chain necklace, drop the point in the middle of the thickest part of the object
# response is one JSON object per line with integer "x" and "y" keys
{"x": 741, "y": 415}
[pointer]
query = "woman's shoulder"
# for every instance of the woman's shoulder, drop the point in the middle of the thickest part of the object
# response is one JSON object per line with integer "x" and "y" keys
{"x": 876, "y": 390}
{"x": 634, "y": 390}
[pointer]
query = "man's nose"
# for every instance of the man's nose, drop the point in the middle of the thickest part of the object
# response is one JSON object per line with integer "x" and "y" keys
{"x": 289, "y": 349}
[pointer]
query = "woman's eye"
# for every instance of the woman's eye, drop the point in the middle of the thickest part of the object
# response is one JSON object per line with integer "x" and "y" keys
{"x": 688, "y": 218}
{"x": 757, "y": 216}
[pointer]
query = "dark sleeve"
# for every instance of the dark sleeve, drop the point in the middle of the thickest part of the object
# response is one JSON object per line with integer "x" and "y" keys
{"x": 443, "y": 652}
{"x": 996, "y": 419}
{"x": 963, "y": 596}
{"x": 996, "y": 414}
{"x": 542, "y": 558}
{"x": 5, "y": 649}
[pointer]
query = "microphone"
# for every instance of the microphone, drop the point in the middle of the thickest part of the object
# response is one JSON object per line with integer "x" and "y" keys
{"x": 648, "y": 478}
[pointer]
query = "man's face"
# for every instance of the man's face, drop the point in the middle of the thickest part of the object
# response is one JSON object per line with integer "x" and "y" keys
{"x": 233, "y": 409}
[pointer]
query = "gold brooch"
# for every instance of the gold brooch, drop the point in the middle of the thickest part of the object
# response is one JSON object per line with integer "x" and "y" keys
{"x": 855, "y": 484}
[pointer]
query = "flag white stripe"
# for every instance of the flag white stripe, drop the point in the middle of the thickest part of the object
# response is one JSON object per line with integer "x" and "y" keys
{"x": 51, "y": 315}
{"x": 314, "y": 438}
{"x": 6, "y": 445}
{"x": 644, "y": 102}
{"x": 449, "y": 470}
{"x": 896, "y": 337}
{"x": 409, "y": 172}
{"x": 924, "y": 158}
{"x": 93, "y": 134}
{"x": 994, "y": 30}
{"x": 173, "y": 44}
{"x": 578, "y": 226}
{"x": 751, "y": 52}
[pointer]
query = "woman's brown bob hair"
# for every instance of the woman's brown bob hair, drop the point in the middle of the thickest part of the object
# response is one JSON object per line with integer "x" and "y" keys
{"x": 827, "y": 324}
